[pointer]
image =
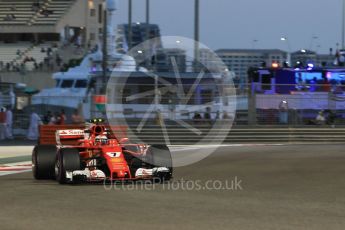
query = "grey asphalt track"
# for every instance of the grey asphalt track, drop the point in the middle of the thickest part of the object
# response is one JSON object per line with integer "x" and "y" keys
{"x": 283, "y": 187}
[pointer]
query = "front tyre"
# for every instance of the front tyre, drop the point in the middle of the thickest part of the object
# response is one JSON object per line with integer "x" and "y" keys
{"x": 67, "y": 161}
{"x": 160, "y": 156}
{"x": 43, "y": 161}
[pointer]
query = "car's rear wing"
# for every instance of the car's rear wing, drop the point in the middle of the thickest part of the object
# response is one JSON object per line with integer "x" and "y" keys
{"x": 48, "y": 133}
{"x": 69, "y": 135}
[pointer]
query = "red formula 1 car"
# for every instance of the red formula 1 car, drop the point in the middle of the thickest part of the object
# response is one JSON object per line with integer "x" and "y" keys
{"x": 99, "y": 156}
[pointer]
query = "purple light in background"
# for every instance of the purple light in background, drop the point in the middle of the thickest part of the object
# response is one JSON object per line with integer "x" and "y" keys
{"x": 329, "y": 75}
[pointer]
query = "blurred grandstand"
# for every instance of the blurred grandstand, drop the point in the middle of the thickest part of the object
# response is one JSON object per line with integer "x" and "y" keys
{"x": 43, "y": 35}
{"x": 48, "y": 36}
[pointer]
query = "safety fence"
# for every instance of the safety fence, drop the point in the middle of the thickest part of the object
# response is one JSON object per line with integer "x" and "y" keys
{"x": 206, "y": 104}
{"x": 214, "y": 136}
{"x": 296, "y": 104}
{"x": 155, "y": 135}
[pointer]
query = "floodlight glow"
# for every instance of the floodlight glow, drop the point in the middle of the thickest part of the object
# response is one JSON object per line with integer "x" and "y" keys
{"x": 275, "y": 65}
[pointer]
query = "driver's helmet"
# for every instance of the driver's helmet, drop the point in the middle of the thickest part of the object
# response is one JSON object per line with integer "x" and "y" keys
{"x": 101, "y": 139}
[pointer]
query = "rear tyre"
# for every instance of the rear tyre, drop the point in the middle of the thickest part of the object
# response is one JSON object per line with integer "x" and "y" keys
{"x": 160, "y": 156}
{"x": 67, "y": 160}
{"x": 43, "y": 161}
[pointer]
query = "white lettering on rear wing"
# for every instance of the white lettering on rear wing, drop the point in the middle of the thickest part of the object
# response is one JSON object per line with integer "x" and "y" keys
{"x": 68, "y": 134}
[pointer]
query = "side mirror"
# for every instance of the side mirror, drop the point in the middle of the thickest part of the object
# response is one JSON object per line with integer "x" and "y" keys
{"x": 124, "y": 140}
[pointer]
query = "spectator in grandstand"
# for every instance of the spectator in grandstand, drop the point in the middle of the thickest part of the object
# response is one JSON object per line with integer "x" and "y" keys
{"x": 331, "y": 117}
{"x": 241, "y": 85}
{"x": 35, "y": 6}
{"x": 47, "y": 118}
{"x": 13, "y": 7}
{"x": 326, "y": 85}
{"x": 35, "y": 122}
{"x": 36, "y": 66}
{"x": 18, "y": 52}
{"x": 95, "y": 49}
{"x": 226, "y": 116}
{"x": 313, "y": 84}
{"x": 46, "y": 13}
{"x": 197, "y": 118}
{"x": 58, "y": 118}
{"x": 22, "y": 69}
{"x": 320, "y": 118}
{"x": 217, "y": 115}
{"x": 55, "y": 119}
{"x": 207, "y": 115}
{"x": 58, "y": 60}
{"x": 40, "y": 66}
{"x": 2, "y": 123}
{"x": 1, "y": 65}
{"x": 45, "y": 63}
{"x": 338, "y": 88}
{"x": 9, "y": 123}
{"x": 8, "y": 66}
{"x": 159, "y": 118}
{"x": 78, "y": 42}
{"x": 63, "y": 117}
{"x": 300, "y": 86}
{"x": 51, "y": 64}
{"x": 14, "y": 67}
{"x": 8, "y": 17}
{"x": 283, "y": 112}
{"x": 77, "y": 118}
{"x": 49, "y": 51}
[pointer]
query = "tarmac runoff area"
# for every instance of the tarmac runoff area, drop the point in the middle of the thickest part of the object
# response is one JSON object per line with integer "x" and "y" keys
{"x": 262, "y": 187}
